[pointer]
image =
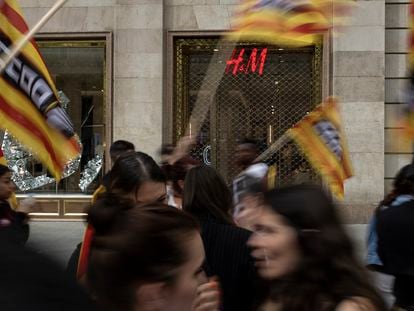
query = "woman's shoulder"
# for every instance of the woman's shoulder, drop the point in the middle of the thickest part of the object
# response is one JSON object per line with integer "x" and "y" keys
{"x": 356, "y": 304}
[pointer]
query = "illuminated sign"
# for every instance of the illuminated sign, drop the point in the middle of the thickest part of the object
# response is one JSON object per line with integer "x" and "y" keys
{"x": 239, "y": 63}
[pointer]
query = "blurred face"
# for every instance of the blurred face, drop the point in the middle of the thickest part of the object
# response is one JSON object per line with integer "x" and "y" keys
{"x": 6, "y": 186}
{"x": 182, "y": 294}
{"x": 245, "y": 155}
{"x": 275, "y": 245}
{"x": 150, "y": 192}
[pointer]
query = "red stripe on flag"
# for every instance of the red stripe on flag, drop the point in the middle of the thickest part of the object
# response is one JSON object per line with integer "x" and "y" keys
{"x": 14, "y": 18}
{"x": 310, "y": 28}
{"x": 19, "y": 23}
{"x": 30, "y": 126}
{"x": 411, "y": 10}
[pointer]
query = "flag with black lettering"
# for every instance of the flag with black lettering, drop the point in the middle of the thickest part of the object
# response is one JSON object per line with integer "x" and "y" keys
{"x": 321, "y": 138}
{"x": 288, "y": 22}
{"x": 29, "y": 105}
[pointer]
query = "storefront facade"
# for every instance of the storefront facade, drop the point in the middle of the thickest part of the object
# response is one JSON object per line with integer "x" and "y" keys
{"x": 134, "y": 69}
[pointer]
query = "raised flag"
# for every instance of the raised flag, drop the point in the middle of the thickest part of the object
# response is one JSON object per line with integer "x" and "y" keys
{"x": 321, "y": 138}
{"x": 407, "y": 120}
{"x": 29, "y": 105}
{"x": 288, "y": 22}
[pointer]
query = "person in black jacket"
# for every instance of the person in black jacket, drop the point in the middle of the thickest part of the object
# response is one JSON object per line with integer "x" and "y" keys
{"x": 395, "y": 219}
{"x": 9, "y": 217}
{"x": 207, "y": 197}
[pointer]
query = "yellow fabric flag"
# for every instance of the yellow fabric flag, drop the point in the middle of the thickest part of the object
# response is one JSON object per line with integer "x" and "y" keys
{"x": 321, "y": 138}
{"x": 406, "y": 122}
{"x": 288, "y": 22}
{"x": 29, "y": 105}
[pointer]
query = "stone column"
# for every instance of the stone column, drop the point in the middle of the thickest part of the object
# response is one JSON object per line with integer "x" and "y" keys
{"x": 358, "y": 76}
{"x": 138, "y": 48}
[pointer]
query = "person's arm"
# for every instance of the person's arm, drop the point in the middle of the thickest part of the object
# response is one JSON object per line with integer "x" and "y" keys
{"x": 183, "y": 148}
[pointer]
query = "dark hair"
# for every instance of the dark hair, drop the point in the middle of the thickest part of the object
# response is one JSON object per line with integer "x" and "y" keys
{"x": 403, "y": 184}
{"x": 329, "y": 271}
{"x": 249, "y": 141}
{"x": 131, "y": 170}
{"x": 4, "y": 169}
{"x": 206, "y": 193}
{"x": 132, "y": 246}
{"x": 119, "y": 147}
{"x": 176, "y": 172}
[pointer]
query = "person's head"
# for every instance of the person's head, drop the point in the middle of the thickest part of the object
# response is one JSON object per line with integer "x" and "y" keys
{"x": 176, "y": 172}
{"x": 119, "y": 147}
{"x": 146, "y": 258}
{"x": 404, "y": 180}
{"x": 298, "y": 237}
{"x": 7, "y": 186}
{"x": 135, "y": 175}
{"x": 403, "y": 184}
{"x": 205, "y": 192}
{"x": 246, "y": 152}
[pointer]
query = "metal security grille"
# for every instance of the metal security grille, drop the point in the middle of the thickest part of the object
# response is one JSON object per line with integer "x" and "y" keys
{"x": 246, "y": 103}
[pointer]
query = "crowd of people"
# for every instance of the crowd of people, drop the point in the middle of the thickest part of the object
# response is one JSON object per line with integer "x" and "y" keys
{"x": 175, "y": 236}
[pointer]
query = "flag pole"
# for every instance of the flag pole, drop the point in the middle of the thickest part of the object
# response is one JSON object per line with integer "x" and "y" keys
{"x": 8, "y": 57}
{"x": 275, "y": 147}
{"x": 200, "y": 110}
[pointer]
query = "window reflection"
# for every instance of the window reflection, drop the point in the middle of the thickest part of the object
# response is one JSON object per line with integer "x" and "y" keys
{"x": 78, "y": 69}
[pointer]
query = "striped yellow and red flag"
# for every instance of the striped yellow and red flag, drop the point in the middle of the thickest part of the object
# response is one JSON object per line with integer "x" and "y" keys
{"x": 321, "y": 138}
{"x": 406, "y": 123}
{"x": 29, "y": 105}
{"x": 288, "y": 22}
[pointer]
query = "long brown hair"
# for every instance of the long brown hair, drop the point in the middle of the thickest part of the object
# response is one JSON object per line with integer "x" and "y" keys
{"x": 206, "y": 193}
{"x": 132, "y": 246}
{"x": 329, "y": 271}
